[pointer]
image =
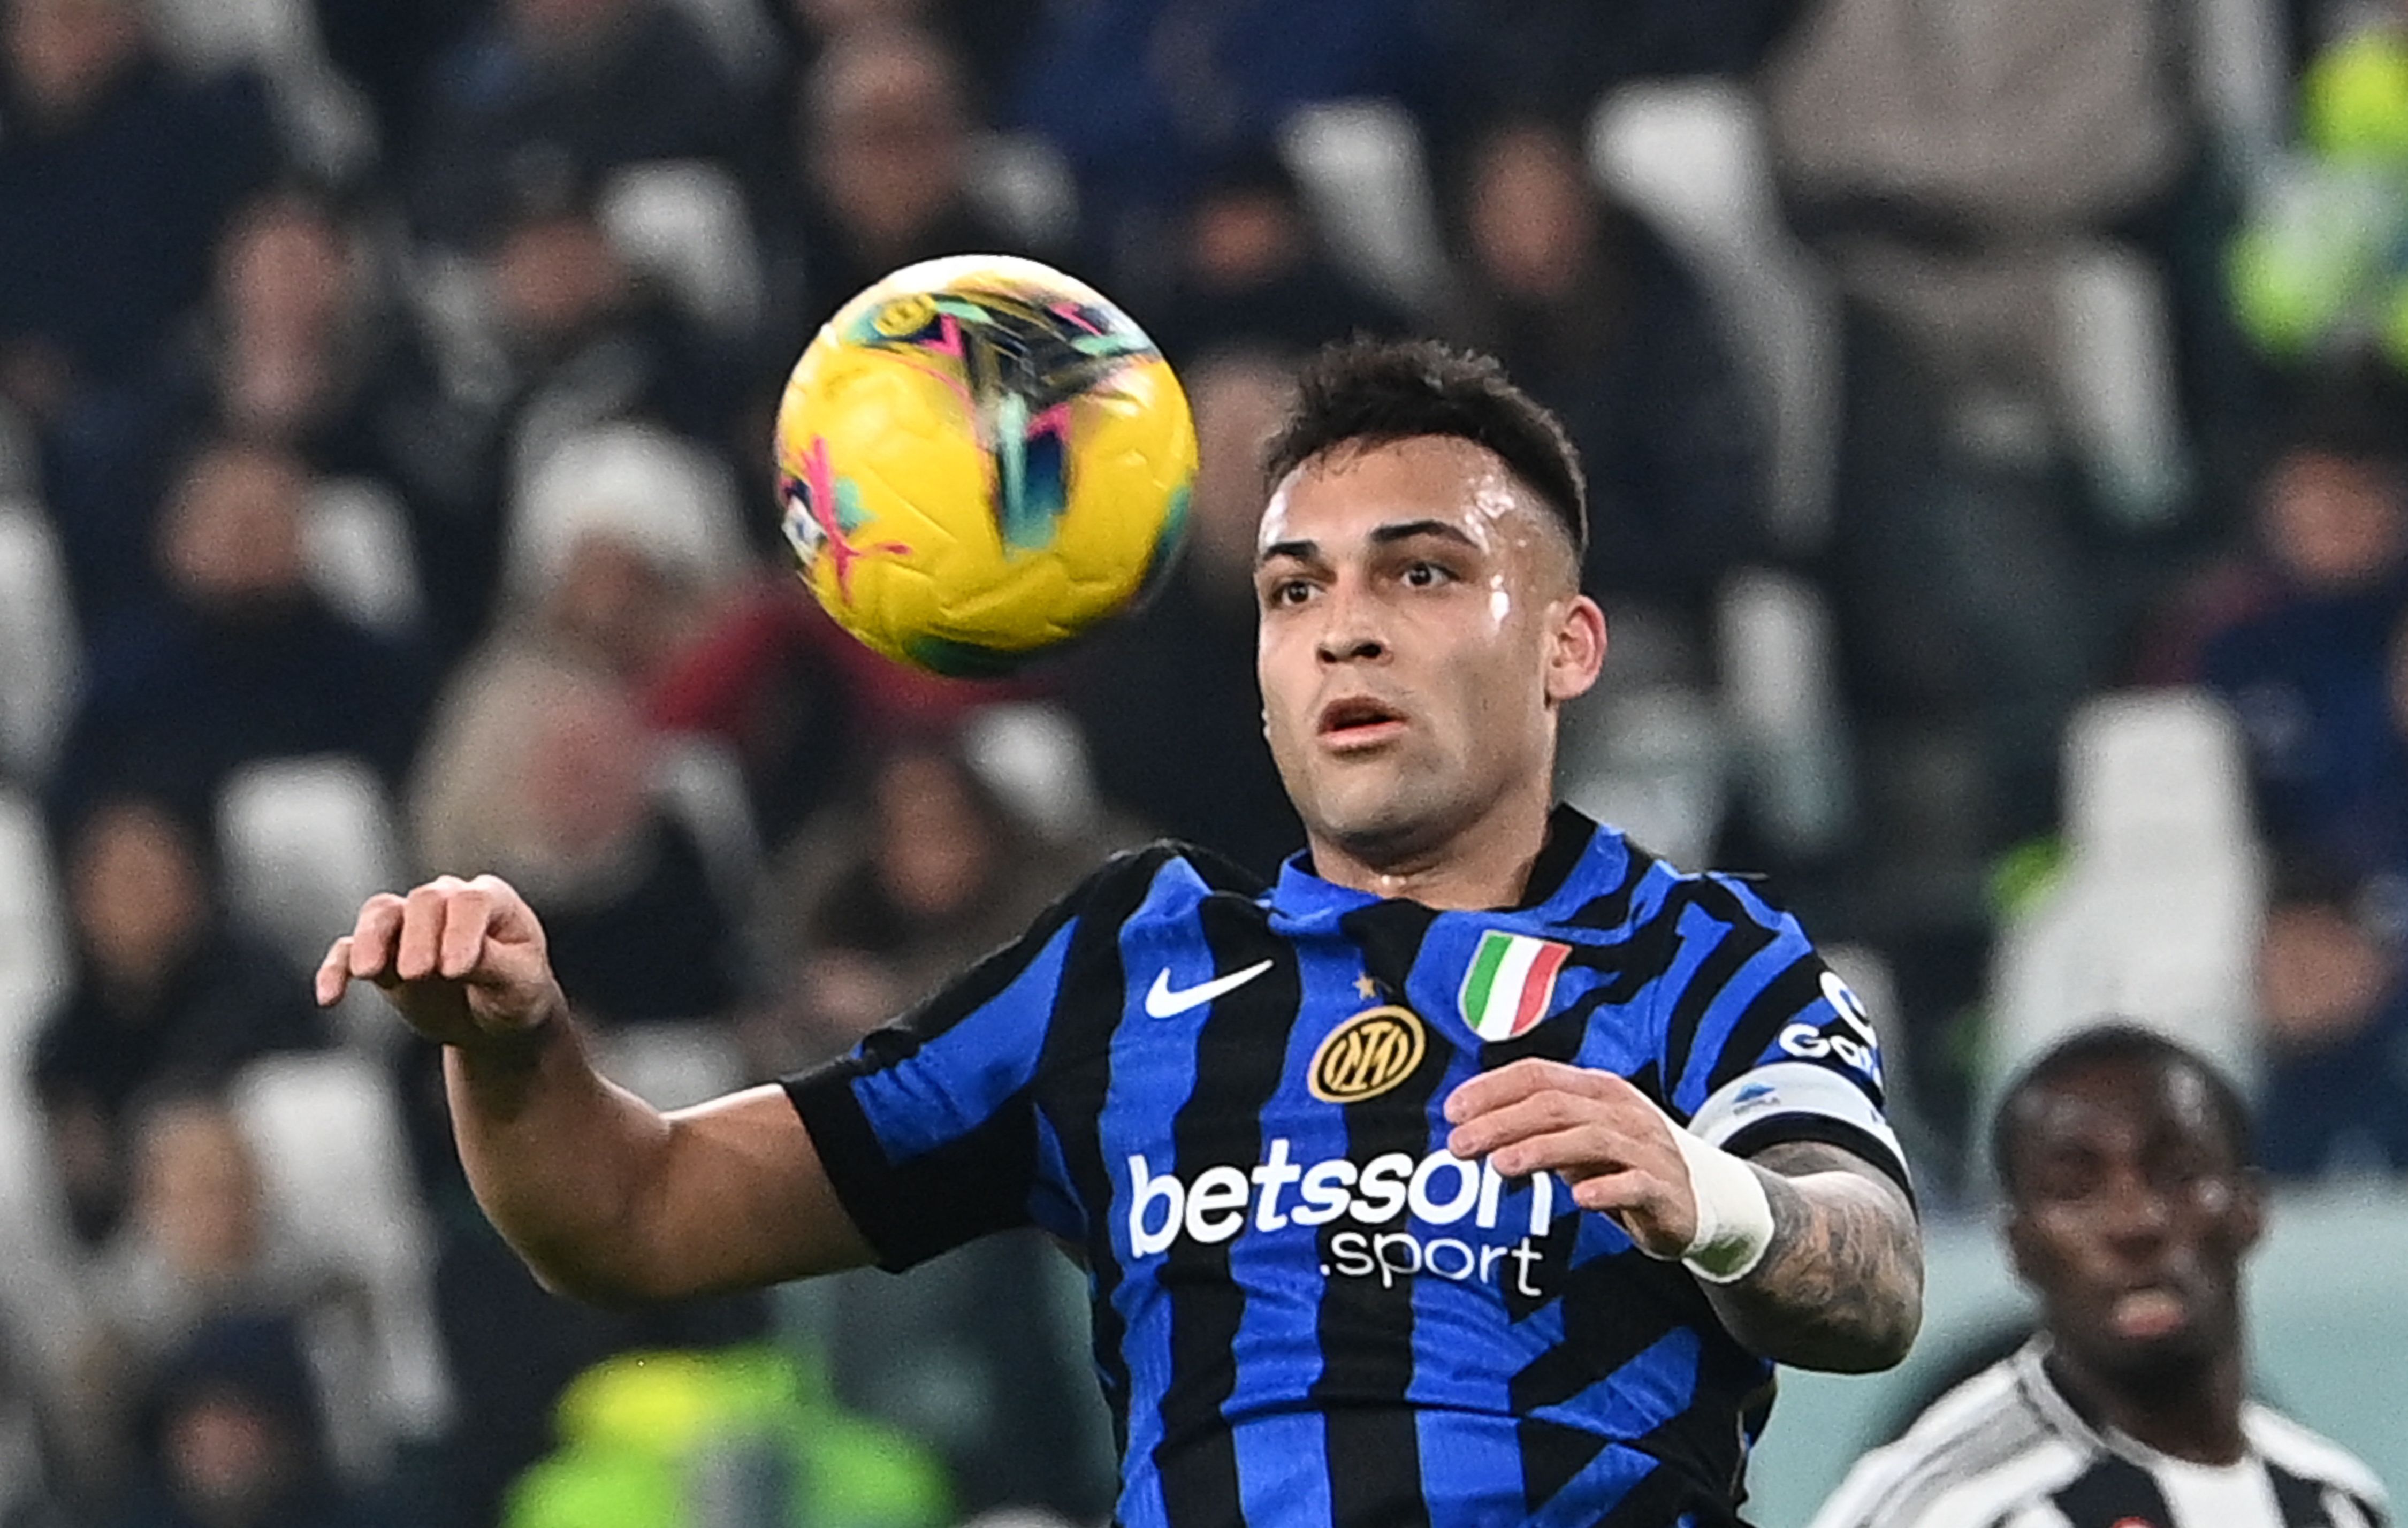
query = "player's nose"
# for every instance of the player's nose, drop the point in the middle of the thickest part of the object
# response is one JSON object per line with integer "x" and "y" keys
{"x": 1351, "y": 631}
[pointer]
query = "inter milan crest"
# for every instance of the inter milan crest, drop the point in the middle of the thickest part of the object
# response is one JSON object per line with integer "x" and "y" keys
{"x": 1367, "y": 1055}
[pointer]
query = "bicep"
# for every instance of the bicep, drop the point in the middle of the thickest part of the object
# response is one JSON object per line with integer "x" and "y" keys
{"x": 744, "y": 1199}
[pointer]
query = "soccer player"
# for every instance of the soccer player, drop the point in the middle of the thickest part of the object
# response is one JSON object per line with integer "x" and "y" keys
{"x": 2130, "y": 1204}
{"x": 1478, "y": 1171}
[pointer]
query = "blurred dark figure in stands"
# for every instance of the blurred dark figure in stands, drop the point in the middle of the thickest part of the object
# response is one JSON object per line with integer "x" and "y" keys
{"x": 236, "y": 1439}
{"x": 551, "y": 91}
{"x": 542, "y": 768}
{"x": 165, "y": 991}
{"x": 389, "y": 51}
{"x": 1145, "y": 96}
{"x": 2306, "y": 671}
{"x": 922, "y": 867}
{"x": 2335, "y": 1011}
{"x": 114, "y": 178}
{"x": 296, "y": 345}
{"x": 1169, "y": 701}
{"x": 916, "y": 871}
{"x": 1558, "y": 56}
{"x": 580, "y": 338}
{"x": 1594, "y": 315}
{"x": 882, "y": 140}
{"x": 199, "y": 1245}
{"x": 246, "y": 661}
{"x": 1252, "y": 271}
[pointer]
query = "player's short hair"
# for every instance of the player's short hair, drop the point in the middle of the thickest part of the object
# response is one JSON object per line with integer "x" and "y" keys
{"x": 1374, "y": 392}
{"x": 2115, "y": 1043}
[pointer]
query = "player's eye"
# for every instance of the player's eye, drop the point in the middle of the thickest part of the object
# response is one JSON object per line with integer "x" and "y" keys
{"x": 1287, "y": 592}
{"x": 1428, "y": 575}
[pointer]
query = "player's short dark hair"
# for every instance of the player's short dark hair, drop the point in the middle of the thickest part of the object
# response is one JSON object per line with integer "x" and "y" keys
{"x": 2115, "y": 1043}
{"x": 1373, "y": 391}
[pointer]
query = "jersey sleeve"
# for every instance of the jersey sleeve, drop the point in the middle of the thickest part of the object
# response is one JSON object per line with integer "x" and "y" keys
{"x": 1762, "y": 1041}
{"x": 928, "y": 1128}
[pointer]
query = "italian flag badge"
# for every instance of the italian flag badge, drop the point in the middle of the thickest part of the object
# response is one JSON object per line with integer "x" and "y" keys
{"x": 1511, "y": 981}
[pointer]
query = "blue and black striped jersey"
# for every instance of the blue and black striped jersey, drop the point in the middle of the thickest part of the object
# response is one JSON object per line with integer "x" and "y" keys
{"x": 1306, "y": 1312}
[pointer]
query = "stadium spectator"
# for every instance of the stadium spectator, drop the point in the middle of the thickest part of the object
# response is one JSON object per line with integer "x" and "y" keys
{"x": 2335, "y": 1091}
{"x": 114, "y": 178}
{"x": 1172, "y": 714}
{"x": 571, "y": 337}
{"x": 1607, "y": 328}
{"x": 165, "y": 992}
{"x": 919, "y": 870}
{"x": 200, "y": 1246}
{"x": 542, "y": 764}
{"x": 880, "y": 176}
{"x": 1252, "y": 271}
{"x": 296, "y": 347}
{"x": 2306, "y": 674}
{"x": 797, "y": 700}
{"x": 244, "y": 659}
{"x": 235, "y": 1438}
{"x": 550, "y": 92}
{"x": 1145, "y": 96}
{"x": 2132, "y": 1206}
{"x": 1557, "y": 57}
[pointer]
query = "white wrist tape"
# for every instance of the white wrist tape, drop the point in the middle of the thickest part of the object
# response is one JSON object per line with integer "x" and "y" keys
{"x": 1734, "y": 1216}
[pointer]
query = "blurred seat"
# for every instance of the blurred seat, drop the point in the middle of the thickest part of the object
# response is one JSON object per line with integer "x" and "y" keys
{"x": 305, "y": 841}
{"x": 2156, "y": 913}
{"x": 702, "y": 785}
{"x": 355, "y": 538}
{"x": 1023, "y": 183}
{"x": 1690, "y": 157}
{"x": 1367, "y": 181}
{"x": 328, "y": 1135}
{"x": 671, "y": 1065}
{"x": 324, "y": 121}
{"x": 682, "y": 222}
{"x": 1777, "y": 650}
{"x": 38, "y": 643}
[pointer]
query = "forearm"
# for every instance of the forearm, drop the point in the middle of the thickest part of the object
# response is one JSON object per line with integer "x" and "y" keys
{"x": 1840, "y": 1286}
{"x": 559, "y": 1158}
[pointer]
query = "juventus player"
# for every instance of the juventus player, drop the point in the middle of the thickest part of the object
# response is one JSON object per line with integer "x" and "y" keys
{"x": 2130, "y": 1204}
{"x": 1478, "y": 1171}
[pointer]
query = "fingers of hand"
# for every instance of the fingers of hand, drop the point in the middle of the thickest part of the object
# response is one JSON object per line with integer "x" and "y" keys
{"x": 1520, "y": 1079}
{"x": 369, "y": 953}
{"x": 469, "y": 912}
{"x": 335, "y": 972}
{"x": 420, "y": 944}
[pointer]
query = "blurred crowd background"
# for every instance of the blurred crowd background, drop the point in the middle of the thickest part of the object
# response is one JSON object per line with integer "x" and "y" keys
{"x": 1993, "y": 417}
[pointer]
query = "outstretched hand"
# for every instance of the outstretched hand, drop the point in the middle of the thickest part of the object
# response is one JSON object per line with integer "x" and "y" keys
{"x": 1593, "y": 1129}
{"x": 464, "y": 961}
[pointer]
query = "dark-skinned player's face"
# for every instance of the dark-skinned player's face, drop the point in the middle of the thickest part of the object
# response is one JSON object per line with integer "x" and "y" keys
{"x": 2129, "y": 1216}
{"x": 1421, "y": 620}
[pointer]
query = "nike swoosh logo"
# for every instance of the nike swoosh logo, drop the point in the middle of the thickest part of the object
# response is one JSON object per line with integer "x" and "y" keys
{"x": 1163, "y": 1003}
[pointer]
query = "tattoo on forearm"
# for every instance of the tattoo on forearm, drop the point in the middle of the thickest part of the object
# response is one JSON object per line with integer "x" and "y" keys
{"x": 1840, "y": 1287}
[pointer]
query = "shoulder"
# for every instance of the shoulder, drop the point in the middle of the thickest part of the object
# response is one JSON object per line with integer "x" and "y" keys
{"x": 2297, "y": 1450}
{"x": 1985, "y": 1439}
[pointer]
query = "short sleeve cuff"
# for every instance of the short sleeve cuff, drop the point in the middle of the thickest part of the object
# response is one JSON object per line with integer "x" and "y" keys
{"x": 1795, "y": 1101}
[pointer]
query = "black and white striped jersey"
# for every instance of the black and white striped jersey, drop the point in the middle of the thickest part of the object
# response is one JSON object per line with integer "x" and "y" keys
{"x": 2005, "y": 1449}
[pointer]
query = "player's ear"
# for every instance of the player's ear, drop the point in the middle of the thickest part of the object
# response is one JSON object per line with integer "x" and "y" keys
{"x": 2248, "y": 1219}
{"x": 1575, "y": 648}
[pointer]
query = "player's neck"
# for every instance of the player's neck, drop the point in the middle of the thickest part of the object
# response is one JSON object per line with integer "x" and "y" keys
{"x": 2195, "y": 1415}
{"x": 1485, "y": 864}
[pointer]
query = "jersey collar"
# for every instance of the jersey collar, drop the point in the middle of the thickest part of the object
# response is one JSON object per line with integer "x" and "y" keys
{"x": 1571, "y": 835}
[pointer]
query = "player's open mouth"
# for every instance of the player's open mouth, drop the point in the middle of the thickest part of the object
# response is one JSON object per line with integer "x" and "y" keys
{"x": 2151, "y": 1311}
{"x": 1359, "y": 722}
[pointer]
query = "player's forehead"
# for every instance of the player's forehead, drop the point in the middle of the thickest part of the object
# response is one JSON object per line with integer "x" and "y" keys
{"x": 2121, "y": 1109}
{"x": 1351, "y": 497}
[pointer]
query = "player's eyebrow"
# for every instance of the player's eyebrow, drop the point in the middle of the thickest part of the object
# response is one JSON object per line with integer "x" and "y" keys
{"x": 1409, "y": 529}
{"x": 1379, "y": 535}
